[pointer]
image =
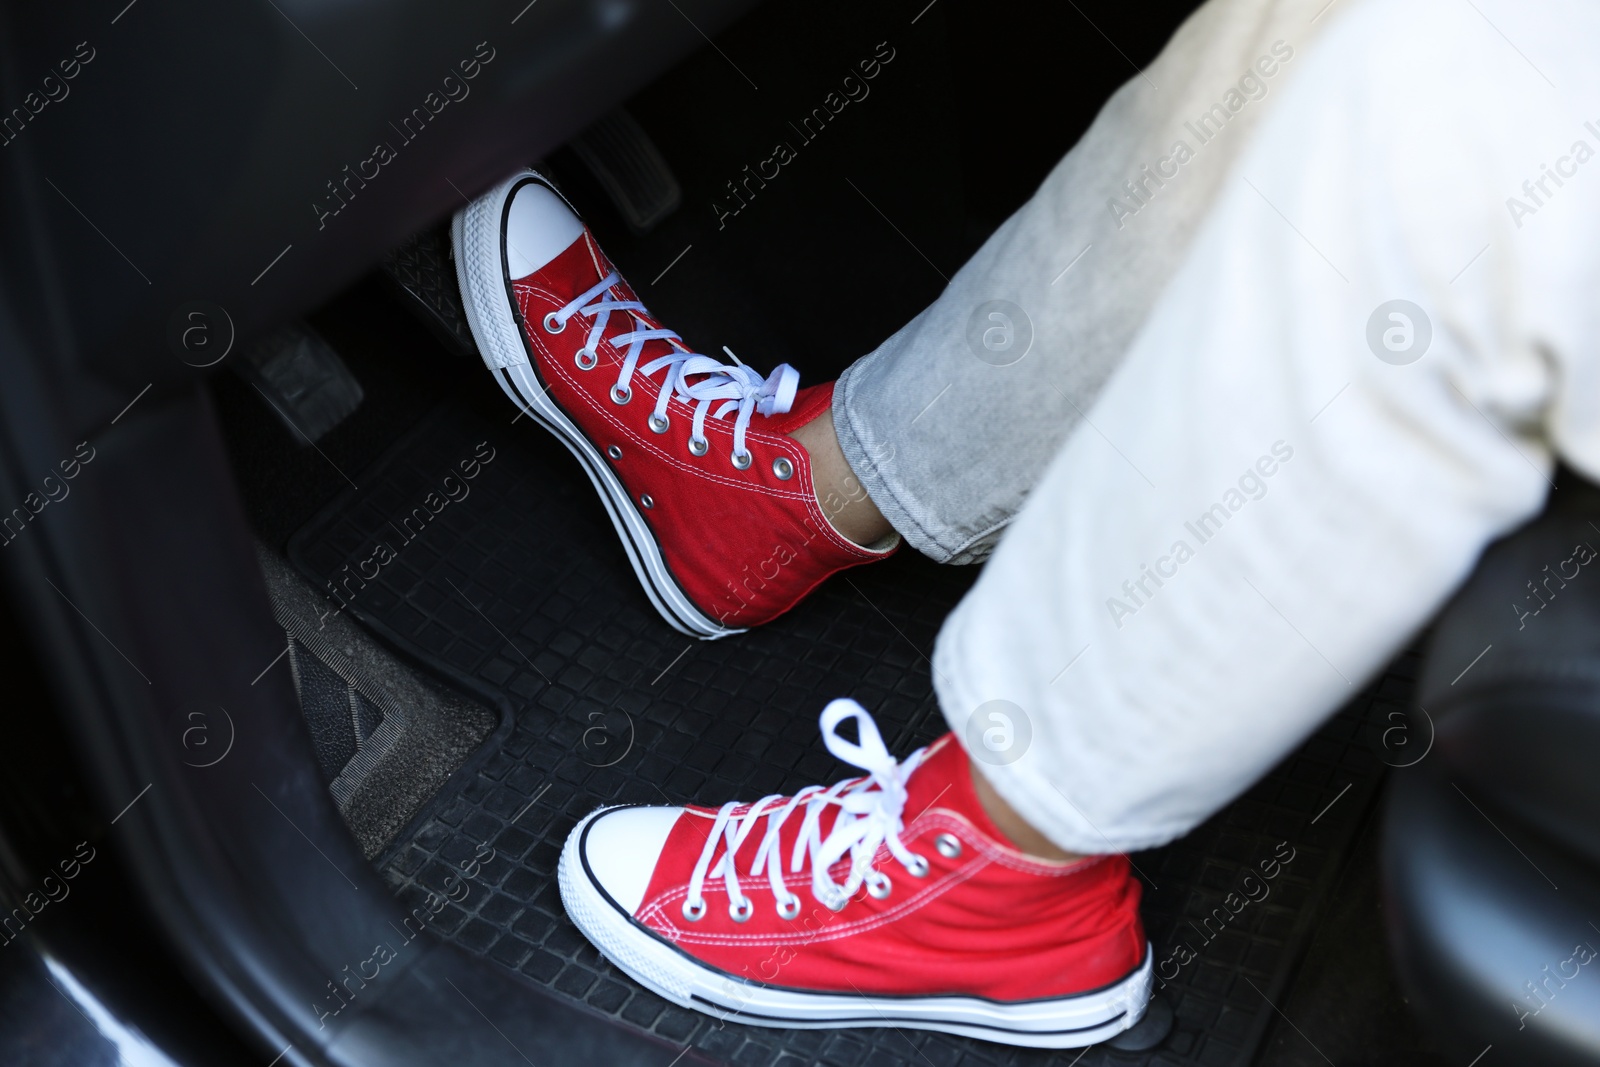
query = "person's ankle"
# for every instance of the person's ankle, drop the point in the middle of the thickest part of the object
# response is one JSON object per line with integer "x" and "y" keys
{"x": 1013, "y": 826}
{"x": 840, "y": 494}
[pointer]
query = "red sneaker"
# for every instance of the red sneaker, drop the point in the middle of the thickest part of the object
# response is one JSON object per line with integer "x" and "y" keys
{"x": 712, "y": 499}
{"x": 889, "y": 900}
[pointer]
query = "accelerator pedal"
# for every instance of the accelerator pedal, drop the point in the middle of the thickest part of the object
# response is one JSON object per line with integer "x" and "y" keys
{"x": 630, "y": 168}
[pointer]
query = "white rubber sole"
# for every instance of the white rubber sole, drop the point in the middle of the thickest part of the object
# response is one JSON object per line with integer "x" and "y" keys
{"x": 1064, "y": 1022}
{"x": 477, "y": 232}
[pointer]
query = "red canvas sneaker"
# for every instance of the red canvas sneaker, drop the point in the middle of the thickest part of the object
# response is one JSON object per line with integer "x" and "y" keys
{"x": 691, "y": 455}
{"x": 888, "y": 900}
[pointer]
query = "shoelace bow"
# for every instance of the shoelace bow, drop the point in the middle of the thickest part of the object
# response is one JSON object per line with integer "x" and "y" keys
{"x": 869, "y": 815}
{"x": 738, "y": 387}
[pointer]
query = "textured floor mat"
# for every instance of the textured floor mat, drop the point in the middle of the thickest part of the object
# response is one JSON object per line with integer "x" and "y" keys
{"x": 387, "y": 735}
{"x": 477, "y": 545}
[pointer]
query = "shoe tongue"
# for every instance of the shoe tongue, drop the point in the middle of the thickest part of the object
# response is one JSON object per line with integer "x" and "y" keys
{"x": 581, "y": 266}
{"x": 809, "y": 402}
{"x": 944, "y": 780}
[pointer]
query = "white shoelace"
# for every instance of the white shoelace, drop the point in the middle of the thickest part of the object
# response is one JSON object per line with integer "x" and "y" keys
{"x": 740, "y": 388}
{"x": 869, "y": 815}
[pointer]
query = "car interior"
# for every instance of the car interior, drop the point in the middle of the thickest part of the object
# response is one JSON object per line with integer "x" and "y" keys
{"x": 322, "y": 649}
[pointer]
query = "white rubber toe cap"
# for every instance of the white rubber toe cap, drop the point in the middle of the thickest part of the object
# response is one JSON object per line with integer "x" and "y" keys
{"x": 539, "y": 227}
{"x": 621, "y": 848}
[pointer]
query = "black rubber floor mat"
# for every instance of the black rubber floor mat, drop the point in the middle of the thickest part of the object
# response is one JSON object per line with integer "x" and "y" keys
{"x": 477, "y": 545}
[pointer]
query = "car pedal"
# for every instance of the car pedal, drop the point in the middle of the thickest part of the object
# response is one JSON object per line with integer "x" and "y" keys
{"x": 422, "y": 272}
{"x": 424, "y": 276}
{"x": 302, "y": 379}
{"x": 631, "y": 169}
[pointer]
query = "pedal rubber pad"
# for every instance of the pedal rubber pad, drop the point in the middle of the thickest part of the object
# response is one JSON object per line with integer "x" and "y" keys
{"x": 631, "y": 169}
{"x": 302, "y": 379}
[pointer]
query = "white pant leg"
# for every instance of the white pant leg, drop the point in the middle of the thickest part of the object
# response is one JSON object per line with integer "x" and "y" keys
{"x": 1348, "y": 495}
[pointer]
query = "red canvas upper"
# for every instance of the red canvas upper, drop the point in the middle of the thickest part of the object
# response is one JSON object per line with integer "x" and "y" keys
{"x": 745, "y": 545}
{"x": 991, "y": 922}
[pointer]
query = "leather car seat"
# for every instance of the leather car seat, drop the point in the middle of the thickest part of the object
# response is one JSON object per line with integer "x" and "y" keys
{"x": 1491, "y": 849}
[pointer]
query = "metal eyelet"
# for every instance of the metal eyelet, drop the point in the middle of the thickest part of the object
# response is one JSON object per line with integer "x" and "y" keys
{"x": 586, "y": 358}
{"x": 949, "y": 845}
{"x": 621, "y": 394}
{"x": 783, "y": 468}
{"x": 741, "y": 912}
{"x": 741, "y": 460}
{"x": 698, "y": 446}
{"x": 880, "y": 890}
{"x": 647, "y": 502}
{"x": 659, "y": 423}
{"x": 918, "y": 867}
{"x": 789, "y": 909}
{"x": 614, "y": 451}
{"x": 837, "y": 902}
{"x": 553, "y": 324}
{"x": 693, "y": 911}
